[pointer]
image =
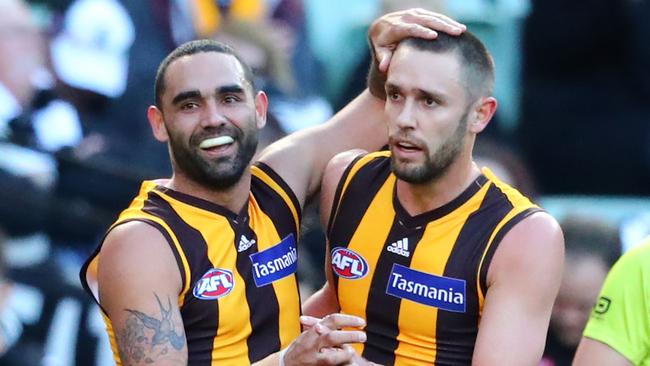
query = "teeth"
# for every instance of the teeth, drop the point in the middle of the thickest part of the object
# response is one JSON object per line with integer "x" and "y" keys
{"x": 216, "y": 141}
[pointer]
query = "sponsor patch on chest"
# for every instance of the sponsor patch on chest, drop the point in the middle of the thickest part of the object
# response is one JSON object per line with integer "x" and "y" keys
{"x": 441, "y": 292}
{"x": 215, "y": 283}
{"x": 348, "y": 264}
{"x": 277, "y": 262}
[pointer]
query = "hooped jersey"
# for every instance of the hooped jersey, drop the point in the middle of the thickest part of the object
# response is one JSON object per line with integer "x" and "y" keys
{"x": 240, "y": 300}
{"x": 419, "y": 281}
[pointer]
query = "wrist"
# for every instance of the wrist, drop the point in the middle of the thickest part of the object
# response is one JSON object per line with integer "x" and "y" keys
{"x": 281, "y": 356}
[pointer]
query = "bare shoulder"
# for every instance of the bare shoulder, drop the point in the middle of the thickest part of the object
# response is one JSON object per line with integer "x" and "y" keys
{"x": 333, "y": 174}
{"x": 535, "y": 243}
{"x": 133, "y": 254}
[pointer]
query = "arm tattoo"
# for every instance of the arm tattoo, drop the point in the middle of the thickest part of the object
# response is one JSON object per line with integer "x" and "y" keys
{"x": 148, "y": 338}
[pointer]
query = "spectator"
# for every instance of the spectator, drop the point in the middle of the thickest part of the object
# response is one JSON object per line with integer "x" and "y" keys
{"x": 591, "y": 247}
{"x": 617, "y": 332}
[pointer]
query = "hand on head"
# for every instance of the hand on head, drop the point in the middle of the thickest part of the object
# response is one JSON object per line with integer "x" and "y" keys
{"x": 387, "y": 31}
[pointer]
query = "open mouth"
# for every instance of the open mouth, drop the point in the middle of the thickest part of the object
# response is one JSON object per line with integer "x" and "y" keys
{"x": 215, "y": 143}
{"x": 408, "y": 147}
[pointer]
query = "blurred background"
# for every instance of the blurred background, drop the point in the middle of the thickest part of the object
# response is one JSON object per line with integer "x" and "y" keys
{"x": 76, "y": 76}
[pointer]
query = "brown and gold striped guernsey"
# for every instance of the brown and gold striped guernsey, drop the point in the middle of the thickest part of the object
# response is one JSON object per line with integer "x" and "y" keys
{"x": 252, "y": 309}
{"x": 419, "y": 281}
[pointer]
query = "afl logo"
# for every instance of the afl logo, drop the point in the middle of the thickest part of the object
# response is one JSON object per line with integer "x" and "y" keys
{"x": 348, "y": 264}
{"x": 214, "y": 284}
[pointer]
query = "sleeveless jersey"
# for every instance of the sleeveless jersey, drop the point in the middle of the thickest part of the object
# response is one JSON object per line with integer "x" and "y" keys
{"x": 239, "y": 301}
{"x": 419, "y": 281}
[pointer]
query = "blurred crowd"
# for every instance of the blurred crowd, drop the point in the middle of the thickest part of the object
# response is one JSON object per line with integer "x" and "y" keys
{"x": 76, "y": 77}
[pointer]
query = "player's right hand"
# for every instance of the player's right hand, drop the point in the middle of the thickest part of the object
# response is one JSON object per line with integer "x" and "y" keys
{"x": 387, "y": 31}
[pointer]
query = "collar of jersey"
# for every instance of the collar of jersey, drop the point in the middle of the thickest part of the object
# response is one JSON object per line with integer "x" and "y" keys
{"x": 422, "y": 219}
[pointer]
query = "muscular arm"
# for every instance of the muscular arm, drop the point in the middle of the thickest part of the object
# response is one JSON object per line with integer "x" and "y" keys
{"x": 523, "y": 280}
{"x": 139, "y": 283}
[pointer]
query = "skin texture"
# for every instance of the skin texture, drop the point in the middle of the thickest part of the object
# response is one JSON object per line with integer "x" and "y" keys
{"x": 593, "y": 353}
{"x": 426, "y": 108}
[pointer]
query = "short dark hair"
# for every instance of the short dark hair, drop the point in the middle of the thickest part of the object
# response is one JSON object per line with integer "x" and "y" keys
{"x": 585, "y": 235}
{"x": 192, "y": 48}
{"x": 478, "y": 64}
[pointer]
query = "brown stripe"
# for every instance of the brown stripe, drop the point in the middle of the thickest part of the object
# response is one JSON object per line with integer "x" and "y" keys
{"x": 339, "y": 191}
{"x": 382, "y": 310}
{"x": 197, "y": 314}
{"x": 456, "y": 332}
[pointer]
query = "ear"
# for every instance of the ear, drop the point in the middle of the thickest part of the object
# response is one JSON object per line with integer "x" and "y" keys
{"x": 482, "y": 114}
{"x": 261, "y": 106}
{"x": 155, "y": 117}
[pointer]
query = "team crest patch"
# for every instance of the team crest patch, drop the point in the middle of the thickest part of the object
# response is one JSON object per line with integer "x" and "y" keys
{"x": 441, "y": 292}
{"x": 214, "y": 284}
{"x": 277, "y": 262}
{"x": 348, "y": 264}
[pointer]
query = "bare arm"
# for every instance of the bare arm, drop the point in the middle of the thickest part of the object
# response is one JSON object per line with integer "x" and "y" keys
{"x": 523, "y": 280}
{"x": 300, "y": 158}
{"x": 142, "y": 303}
{"x": 593, "y": 353}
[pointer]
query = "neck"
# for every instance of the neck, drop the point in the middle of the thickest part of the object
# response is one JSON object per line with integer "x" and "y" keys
{"x": 420, "y": 198}
{"x": 233, "y": 198}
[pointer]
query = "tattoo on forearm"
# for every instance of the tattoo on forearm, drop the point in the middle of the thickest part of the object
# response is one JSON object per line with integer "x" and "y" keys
{"x": 147, "y": 338}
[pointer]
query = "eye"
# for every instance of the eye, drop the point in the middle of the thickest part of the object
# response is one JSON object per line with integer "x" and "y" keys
{"x": 429, "y": 102}
{"x": 393, "y": 96}
{"x": 230, "y": 99}
{"x": 189, "y": 106}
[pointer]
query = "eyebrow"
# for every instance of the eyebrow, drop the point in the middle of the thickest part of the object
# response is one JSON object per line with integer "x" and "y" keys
{"x": 420, "y": 92}
{"x": 186, "y": 95}
{"x": 233, "y": 88}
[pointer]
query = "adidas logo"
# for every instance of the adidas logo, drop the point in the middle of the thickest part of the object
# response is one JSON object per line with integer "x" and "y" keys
{"x": 244, "y": 243}
{"x": 400, "y": 247}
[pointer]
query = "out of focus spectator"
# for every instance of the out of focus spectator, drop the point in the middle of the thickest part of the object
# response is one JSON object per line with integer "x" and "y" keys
{"x": 617, "y": 332}
{"x": 46, "y": 321}
{"x": 591, "y": 248}
{"x": 506, "y": 163}
{"x": 586, "y": 98}
{"x": 34, "y": 124}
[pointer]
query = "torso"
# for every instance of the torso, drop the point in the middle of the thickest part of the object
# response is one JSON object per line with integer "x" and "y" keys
{"x": 419, "y": 281}
{"x": 236, "y": 269}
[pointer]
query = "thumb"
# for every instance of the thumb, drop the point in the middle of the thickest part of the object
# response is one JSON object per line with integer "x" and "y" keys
{"x": 384, "y": 57}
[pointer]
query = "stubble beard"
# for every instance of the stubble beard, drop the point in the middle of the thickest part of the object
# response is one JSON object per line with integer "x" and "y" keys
{"x": 219, "y": 173}
{"x": 436, "y": 165}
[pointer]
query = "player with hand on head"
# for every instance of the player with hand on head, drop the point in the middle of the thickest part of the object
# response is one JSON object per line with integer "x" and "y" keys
{"x": 445, "y": 262}
{"x": 200, "y": 268}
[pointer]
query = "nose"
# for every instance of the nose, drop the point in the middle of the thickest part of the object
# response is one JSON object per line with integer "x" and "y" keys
{"x": 213, "y": 116}
{"x": 406, "y": 116}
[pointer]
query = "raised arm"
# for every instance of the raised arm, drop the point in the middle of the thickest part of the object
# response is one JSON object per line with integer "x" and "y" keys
{"x": 139, "y": 283}
{"x": 523, "y": 280}
{"x": 300, "y": 158}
